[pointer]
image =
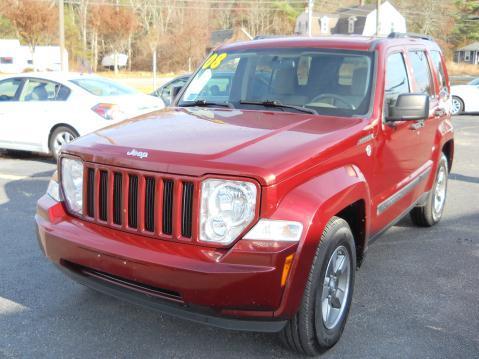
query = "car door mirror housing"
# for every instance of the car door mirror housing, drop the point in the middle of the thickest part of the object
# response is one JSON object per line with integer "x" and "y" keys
{"x": 409, "y": 107}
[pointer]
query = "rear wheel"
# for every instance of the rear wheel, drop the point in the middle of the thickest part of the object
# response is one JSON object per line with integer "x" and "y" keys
{"x": 431, "y": 213}
{"x": 320, "y": 321}
{"x": 457, "y": 106}
{"x": 61, "y": 136}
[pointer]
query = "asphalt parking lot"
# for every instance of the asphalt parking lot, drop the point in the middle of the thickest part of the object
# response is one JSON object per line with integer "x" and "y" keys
{"x": 416, "y": 296}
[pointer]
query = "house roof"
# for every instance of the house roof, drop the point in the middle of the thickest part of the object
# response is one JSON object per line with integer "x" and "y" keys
{"x": 364, "y": 10}
{"x": 471, "y": 47}
{"x": 220, "y": 36}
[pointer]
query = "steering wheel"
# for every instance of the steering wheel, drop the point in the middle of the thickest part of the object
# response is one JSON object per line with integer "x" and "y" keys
{"x": 335, "y": 98}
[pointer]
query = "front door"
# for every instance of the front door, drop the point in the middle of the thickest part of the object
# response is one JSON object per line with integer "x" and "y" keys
{"x": 404, "y": 149}
{"x": 42, "y": 104}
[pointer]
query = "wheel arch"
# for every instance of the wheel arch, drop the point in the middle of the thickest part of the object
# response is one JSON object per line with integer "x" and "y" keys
{"x": 342, "y": 192}
{"x": 448, "y": 150}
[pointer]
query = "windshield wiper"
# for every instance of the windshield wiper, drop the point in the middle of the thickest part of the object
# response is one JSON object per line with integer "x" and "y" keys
{"x": 205, "y": 103}
{"x": 274, "y": 103}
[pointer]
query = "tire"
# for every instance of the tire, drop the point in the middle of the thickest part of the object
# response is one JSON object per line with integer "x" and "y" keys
{"x": 308, "y": 332}
{"x": 59, "y": 137}
{"x": 457, "y": 106}
{"x": 431, "y": 213}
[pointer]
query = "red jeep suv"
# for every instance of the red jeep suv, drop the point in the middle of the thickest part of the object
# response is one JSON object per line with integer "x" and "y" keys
{"x": 250, "y": 202}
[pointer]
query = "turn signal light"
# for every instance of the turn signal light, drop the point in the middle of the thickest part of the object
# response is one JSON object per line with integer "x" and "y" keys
{"x": 286, "y": 268}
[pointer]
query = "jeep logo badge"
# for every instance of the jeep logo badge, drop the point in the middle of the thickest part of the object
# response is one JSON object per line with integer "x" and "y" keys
{"x": 136, "y": 153}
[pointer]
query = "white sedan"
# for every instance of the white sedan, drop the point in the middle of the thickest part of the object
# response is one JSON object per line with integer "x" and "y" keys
{"x": 42, "y": 112}
{"x": 465, "y": 98}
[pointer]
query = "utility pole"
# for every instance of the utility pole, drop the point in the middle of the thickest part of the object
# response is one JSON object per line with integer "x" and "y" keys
{"x": 378, "y": 18}
{"x": 61, "y": 21}
{"x": 310, "y": 17}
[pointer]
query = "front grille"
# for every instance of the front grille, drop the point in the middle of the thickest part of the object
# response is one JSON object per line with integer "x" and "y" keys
{"x": 149, "y": 203}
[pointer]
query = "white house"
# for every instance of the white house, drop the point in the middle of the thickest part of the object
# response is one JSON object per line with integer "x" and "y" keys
{"x": 355, "y": 20}
{"x": 15, "y": 58}
{"x": 468, "y": 54}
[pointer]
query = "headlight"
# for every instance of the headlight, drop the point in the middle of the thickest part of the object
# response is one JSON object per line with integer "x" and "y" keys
{"x": 53, "y": 189}
{"x": 275, "y": 230}
{"x": 227, "y": 208}
{"x": 72, "y": 183}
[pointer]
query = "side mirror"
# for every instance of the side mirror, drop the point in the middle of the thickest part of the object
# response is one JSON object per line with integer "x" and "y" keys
{"x": 174, "y": 92}
{"x": 409, "y": 107}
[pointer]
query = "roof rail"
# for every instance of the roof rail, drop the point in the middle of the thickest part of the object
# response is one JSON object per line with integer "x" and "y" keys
{"x": 399, "y": 35}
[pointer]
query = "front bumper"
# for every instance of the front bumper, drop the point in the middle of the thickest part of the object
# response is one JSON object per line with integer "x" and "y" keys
{"x": 237, "y": 288}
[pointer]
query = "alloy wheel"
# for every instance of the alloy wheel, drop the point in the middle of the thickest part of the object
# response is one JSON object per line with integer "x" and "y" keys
{"x": 439, "y": 192}
{"x": 61, "y": 139}
{"x": 335, "y": 287}
{"x": 456, "y": 106}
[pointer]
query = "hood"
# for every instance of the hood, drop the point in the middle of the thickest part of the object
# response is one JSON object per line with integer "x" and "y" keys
{"x": 268, "y": 146}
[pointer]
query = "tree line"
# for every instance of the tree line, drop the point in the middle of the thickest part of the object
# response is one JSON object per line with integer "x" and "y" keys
{"x": 177, "y": 32}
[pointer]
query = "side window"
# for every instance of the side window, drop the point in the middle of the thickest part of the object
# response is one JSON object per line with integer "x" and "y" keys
{"x": 61, "y": 92}
{"x": 41, "y": 90}
{"x": 422, "y": 73}
{"x": 396, "y": 78}
{"x": 439, "y": 65}
{"x": 9, "y": 89}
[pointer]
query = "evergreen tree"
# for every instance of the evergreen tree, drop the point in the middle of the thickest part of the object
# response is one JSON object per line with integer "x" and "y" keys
{"x": 467, "y": 22}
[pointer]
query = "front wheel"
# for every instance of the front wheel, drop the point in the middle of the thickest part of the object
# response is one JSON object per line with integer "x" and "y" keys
{"x": 320, "y": 321}
{"x": 431, "y": 212}
{"x": 61, "y": 136}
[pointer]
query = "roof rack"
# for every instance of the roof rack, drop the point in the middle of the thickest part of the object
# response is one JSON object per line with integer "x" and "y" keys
{"x": 400, "y": 35}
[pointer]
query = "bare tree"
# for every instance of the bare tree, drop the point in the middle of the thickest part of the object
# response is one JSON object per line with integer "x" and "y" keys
{"x": 115, "y": 25}
{"x": 82, "y": 10}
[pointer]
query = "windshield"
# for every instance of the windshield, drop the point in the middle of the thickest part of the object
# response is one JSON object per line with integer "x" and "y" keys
{"x": 329, "y": 82}
{"x": 103, "y": 87}
{"x": 474, "y": 82}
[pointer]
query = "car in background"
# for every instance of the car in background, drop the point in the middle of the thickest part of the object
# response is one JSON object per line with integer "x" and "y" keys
{"x": 165, "y": 91}
{"x": 218, "y": 88}
{"x": 41, "y": 112}
{"x": 465, "y": 98}
{"x": 108, "y": 61}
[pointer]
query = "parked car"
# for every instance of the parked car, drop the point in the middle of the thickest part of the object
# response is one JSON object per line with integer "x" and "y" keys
{"x": 251, "y": 210}
{"x": 41, "y": 112}
{"x": 165, "y": 91}
{"x": 465, "y": 98}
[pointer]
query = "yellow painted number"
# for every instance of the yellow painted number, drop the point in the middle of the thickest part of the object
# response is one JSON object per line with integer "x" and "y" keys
{"x": 214, "y": 61}
{"x": 218, "y": 60}
{"x": 209, "y": 61}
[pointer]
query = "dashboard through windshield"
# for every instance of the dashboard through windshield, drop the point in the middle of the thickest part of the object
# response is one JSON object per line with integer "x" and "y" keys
{"x": 323, "y": 81}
